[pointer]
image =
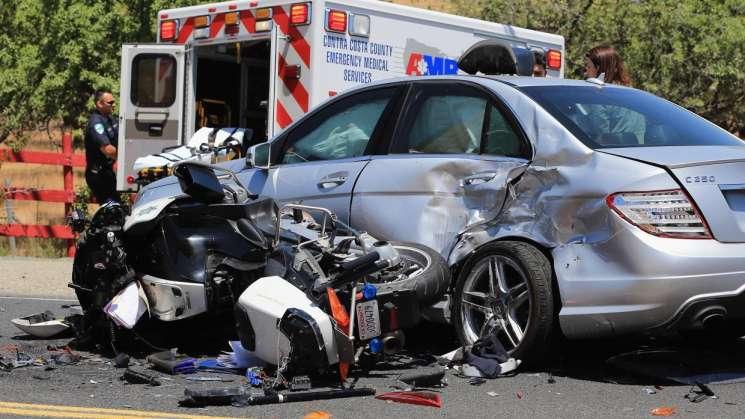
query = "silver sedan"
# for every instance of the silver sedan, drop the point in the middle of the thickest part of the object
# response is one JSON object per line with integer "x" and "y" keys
{"x": 562, "y": 207}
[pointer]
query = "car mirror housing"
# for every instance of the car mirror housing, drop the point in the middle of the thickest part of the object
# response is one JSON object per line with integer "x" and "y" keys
{"x": 259, "y": 156}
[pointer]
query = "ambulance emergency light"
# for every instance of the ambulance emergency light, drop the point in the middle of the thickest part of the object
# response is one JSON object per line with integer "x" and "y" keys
{"x": 168, "y": 30}
{"x": 359, "y": 25}
{"x": 300, "y": 14}
{"x": 265, "y": 13}
{"x": 336, "y": 20}
{"x": 553, "y": 59}
{"x": 202, "y": 27}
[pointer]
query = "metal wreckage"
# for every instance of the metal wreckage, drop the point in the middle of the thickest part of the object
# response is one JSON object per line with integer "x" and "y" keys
{"x": 309, "y": 294}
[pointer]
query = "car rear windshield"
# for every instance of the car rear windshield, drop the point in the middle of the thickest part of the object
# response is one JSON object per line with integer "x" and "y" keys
{"x": 609, "y": 117}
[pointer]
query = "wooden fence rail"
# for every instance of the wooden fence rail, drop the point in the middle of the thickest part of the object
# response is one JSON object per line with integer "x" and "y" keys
{"x": 67, "y": 159}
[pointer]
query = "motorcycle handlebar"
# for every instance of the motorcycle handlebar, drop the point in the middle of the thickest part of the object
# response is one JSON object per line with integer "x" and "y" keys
{"x": 358, "y": 268}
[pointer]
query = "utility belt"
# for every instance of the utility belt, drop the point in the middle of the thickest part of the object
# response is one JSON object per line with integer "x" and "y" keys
{"x": 96, "y": 169}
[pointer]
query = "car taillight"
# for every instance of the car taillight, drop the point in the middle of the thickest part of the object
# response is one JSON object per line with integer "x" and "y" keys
{"x": 667, "y": 213}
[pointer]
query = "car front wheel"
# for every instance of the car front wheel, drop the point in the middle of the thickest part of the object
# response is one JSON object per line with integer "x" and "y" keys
{"x": 505, "y": 289}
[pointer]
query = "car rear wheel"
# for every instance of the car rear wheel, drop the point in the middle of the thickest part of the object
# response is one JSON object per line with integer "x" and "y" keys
{"x": 505, "y": 290}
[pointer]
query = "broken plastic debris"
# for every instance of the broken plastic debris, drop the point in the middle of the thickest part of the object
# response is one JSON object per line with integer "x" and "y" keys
{"x": 431, "y": 377}
{"x": 41, "y": 325}
{"x": 519, "y": 395}
{"x": 239, "y": 358}
{"x": 663, "y": 411}
{"x": 127, "y": 306}
{"x": 422, "y": 398}
{"x": 492, "y": 393}
{"x": 317, "y": 414}
{"x": 201, "y": 378}
{"x": 136, "y": 376}
{"x": 650, "y": 390}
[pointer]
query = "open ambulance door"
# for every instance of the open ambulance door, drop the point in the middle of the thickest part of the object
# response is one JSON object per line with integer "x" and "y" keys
{"x": 152, "y": 100}
{"x": 272, "y": 126}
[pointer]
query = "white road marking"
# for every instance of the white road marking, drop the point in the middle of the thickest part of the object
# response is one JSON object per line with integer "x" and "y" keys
{"x": 38, "y": 299}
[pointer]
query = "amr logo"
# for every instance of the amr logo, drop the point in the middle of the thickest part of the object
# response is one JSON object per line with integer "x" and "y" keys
{"x": 428, "y": 65}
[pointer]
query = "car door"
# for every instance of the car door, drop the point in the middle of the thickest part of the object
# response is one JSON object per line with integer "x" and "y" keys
{"x": 453, "y": 154}
{"x": 320, "y": 158}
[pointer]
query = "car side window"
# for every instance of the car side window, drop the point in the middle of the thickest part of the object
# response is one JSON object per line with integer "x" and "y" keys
{"x": 446, "y": 120}
{"x": 456, "y": 118}
{"x": 500, "y": 138}
{"x": 341, "y": 130}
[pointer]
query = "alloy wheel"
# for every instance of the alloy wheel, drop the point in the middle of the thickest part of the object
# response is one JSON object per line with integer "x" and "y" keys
{"x": 496, "y": 300}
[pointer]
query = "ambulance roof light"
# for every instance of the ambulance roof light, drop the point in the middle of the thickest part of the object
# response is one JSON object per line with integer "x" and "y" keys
{"x": 265, "y": 13}
{"x": 202, "y": 21}
{"x": 300, "y": 14}
{"x": 231, "y": 19}
{"x": 168, "y": 30}
{"x": 336, "y": 20}
{"x": 553, "y": 59}
{"x": 359, "y": 25}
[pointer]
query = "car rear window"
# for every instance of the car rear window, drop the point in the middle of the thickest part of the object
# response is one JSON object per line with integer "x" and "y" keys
{"x": 611, "y": 117}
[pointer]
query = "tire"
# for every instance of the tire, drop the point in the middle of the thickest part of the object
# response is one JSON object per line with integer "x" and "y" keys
{"x": 82, "y": 272}
{"x": 523, "y": 316}
{"x": 430, "y": 282}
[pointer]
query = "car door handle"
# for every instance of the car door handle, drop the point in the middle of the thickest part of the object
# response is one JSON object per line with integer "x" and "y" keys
{"x": 332, "y": 181}
{"x": 477, "y": 179}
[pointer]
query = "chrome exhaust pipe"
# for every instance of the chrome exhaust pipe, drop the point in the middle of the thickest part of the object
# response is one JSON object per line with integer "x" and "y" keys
{"x": 712, "y": 317}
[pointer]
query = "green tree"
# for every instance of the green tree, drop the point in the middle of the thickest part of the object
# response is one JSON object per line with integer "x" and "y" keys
{"x": 691, "y": 52}
{"x": 55, "y": 53}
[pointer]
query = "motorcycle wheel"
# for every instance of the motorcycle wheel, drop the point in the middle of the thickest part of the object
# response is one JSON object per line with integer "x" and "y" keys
{"x": 83, "y": 272}
{"x": 421, "y": 269}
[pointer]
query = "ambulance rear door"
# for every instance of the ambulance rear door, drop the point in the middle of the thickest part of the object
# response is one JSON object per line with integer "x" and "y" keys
{"x": 152, "y": 100}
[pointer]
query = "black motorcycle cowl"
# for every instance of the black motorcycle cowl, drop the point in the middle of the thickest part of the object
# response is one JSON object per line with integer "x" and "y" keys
{"x": 199, "y": 182}
{"x": 183, "y": 245}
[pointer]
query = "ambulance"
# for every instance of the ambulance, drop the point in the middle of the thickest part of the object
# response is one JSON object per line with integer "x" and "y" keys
{"x": 262, "y": 64}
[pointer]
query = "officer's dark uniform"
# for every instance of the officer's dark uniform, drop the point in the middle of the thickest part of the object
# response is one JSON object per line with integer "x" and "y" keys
{"x": 99, "y": 174}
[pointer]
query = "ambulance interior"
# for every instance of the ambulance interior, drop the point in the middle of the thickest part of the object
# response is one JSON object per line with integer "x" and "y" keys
{"x": 232, "y": 86}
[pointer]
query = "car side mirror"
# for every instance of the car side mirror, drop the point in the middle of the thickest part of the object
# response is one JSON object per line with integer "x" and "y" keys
{"x": 259, "y": 156}
{"x": 199, "y": 182}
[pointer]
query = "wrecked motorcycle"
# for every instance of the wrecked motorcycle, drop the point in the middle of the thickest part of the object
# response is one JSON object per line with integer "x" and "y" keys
{"x": 195, "y": 253}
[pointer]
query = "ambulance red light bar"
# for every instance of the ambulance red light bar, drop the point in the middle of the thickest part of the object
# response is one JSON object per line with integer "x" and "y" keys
{"x": 553, "y": 59}
{"x": 168, "y": 30}
{"x": 300, "y": 14}
{"x": 336, "y": 20}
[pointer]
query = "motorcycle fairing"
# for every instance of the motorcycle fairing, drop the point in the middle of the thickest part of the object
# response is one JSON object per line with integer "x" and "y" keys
{"x": 171, "y": 300}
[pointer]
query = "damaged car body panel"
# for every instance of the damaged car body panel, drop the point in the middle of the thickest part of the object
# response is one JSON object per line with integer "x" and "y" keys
{"x": 533, "y": 183}
{"x": 555, "y": 204}
{"x": 439, "y": 199}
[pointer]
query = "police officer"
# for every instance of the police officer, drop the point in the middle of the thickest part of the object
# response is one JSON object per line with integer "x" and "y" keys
{"x": 101, "y": 141}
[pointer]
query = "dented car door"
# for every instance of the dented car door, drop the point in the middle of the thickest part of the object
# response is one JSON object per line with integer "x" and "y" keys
{"x": 320, "y": 159}
{"x": 451, "y": 159}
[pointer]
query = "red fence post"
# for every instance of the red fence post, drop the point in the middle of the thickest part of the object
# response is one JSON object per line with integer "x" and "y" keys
{"x": 68, "y": 182}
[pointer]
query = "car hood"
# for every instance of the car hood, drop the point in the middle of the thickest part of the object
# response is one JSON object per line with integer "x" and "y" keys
{"x": 714, "y": 176}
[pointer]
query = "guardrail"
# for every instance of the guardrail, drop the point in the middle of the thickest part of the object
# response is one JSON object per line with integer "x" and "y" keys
{"x": 67, "y": 159}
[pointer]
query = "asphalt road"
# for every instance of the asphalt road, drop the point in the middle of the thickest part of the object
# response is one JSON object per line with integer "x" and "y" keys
{"x": 584, "y": 385}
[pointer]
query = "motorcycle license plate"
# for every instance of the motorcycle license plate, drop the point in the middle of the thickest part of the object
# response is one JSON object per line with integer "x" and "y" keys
{"x": 368, "y": 319}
